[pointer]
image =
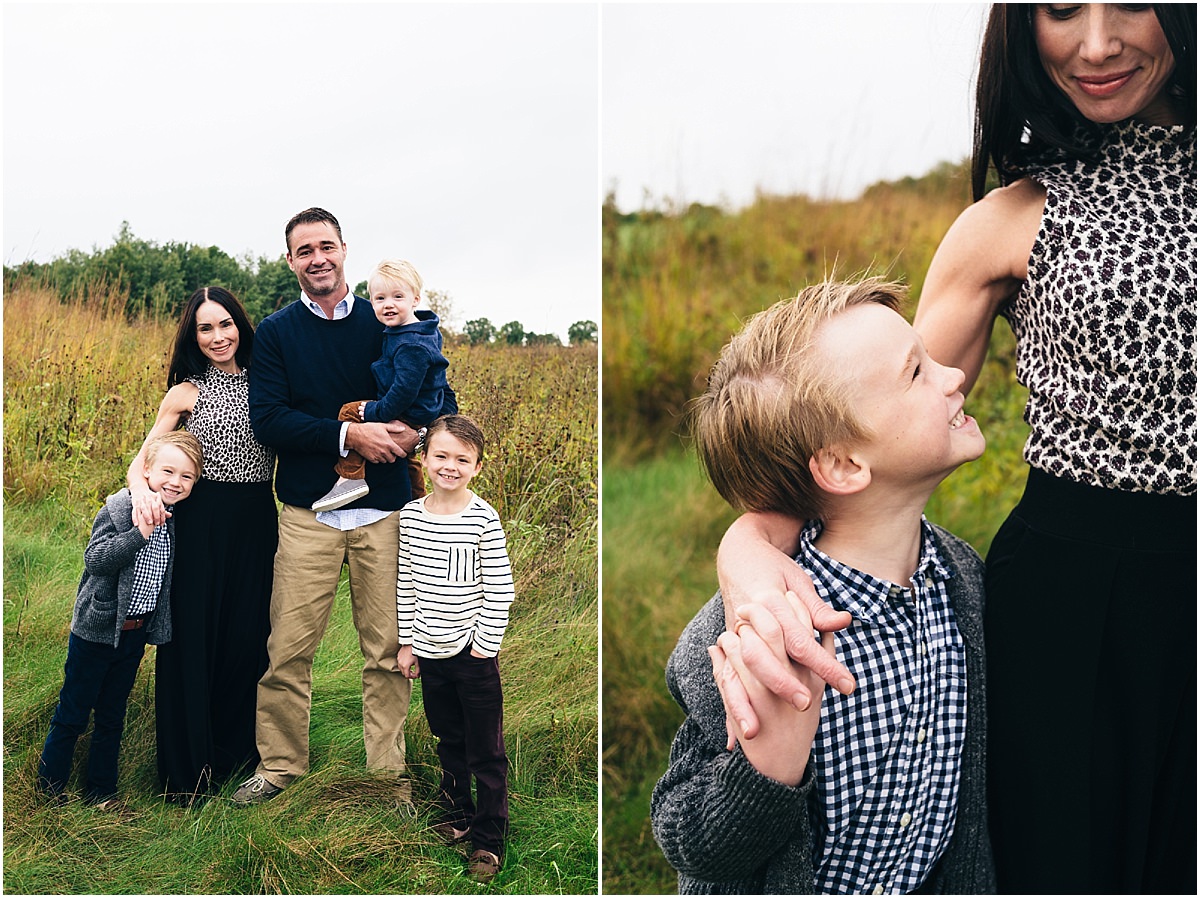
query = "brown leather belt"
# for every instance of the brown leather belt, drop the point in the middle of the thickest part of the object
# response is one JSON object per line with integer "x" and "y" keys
{"x": 133, "y": 623}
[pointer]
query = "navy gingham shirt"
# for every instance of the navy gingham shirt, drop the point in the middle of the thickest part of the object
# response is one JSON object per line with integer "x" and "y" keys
{"x": 149, "y": 569}
{"x": 887, "y": 757}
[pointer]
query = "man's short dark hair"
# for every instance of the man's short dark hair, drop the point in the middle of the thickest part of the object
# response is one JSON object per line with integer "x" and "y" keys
{"x": 314, "y": 215}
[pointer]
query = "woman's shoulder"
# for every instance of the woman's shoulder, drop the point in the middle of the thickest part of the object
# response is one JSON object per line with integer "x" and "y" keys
{"x": 181, "y": 398}
{"x": 991, "y": 239}
{"x": 1008, "y": 203}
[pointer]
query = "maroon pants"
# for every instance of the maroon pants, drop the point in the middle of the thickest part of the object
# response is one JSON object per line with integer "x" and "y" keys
{"x": 465, "y": 709}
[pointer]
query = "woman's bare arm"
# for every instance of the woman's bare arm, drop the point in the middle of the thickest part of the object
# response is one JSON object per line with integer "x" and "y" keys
{"x": 979, "y": 265}
{"x": 175, "y": 407}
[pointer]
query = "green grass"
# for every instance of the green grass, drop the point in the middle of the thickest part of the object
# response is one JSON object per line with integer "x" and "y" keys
{"x": 662, "y": 523}
{"x": 335, "y": 830}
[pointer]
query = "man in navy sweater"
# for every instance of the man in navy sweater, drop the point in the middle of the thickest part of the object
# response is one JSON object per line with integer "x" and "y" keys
{"x": 308, "y": 357}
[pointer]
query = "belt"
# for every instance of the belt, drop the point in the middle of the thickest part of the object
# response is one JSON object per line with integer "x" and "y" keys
{"x": 133, "y": 623}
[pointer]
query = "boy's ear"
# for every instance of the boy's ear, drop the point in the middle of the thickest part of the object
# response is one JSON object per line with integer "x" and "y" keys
{"x": 839, "y": 471}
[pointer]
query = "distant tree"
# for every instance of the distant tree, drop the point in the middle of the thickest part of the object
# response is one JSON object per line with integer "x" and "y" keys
{"x": 441, "y": 304}
{"x": 361, "y": 289}
{"x": 274, "y": 286}
{"x": 152, "y": 275}
{"x": 543, "y": 340}
{"x": 513, "y": 333}
{"x": 582, "y": 332}
{"x": 480, "y": 330}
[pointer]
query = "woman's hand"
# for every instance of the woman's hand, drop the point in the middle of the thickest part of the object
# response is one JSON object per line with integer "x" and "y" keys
{"x": 781, "y": 748}
{"x": 756, "y": 574}
{"x": 148, "y": 509}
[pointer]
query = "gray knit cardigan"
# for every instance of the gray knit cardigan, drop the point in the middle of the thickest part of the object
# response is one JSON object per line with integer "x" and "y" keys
{"x": 728, "y": 829}
{"x": 106, "y": 586}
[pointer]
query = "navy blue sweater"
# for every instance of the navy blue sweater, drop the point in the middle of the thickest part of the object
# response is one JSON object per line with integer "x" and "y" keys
{"x": 305, "y": 368}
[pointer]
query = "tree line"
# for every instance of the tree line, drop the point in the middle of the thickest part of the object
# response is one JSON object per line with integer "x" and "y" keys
{"x": 157, "y": 280}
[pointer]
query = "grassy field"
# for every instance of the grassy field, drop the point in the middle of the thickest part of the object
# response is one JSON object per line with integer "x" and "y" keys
{"x": 676, "y": 286}
{"x": 81, "y": 388}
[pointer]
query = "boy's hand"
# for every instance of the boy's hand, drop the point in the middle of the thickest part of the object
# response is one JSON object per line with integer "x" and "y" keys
{"x": 784, "y": 735}
{"x": 408, "y": 664}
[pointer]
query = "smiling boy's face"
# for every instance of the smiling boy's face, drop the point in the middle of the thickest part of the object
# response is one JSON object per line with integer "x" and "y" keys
{"x": 171, "y": 474}
{"x": 394, "y": 302}
{"x": 450, "y": 463}
{"x": 912, "y": 406}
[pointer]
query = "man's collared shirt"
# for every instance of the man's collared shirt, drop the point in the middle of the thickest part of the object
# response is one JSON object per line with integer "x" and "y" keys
{"x": 887, "y": 757}
{"x": 343, "y": 518}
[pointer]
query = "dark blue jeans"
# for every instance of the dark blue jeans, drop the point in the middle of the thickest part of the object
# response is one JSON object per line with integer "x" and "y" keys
{"x": 97, "y": 677}
{"x": 465, "y": 709}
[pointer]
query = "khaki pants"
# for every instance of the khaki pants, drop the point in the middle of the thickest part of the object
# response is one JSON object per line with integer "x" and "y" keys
{"x": 307, "y": 566}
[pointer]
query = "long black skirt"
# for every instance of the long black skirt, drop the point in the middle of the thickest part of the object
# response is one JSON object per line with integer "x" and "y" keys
{"x": 1091, "y": 651}
{"x": 207, "y": 675}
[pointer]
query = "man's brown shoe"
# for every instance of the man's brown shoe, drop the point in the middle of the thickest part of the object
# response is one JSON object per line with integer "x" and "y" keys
{"x": 255, "y": 790}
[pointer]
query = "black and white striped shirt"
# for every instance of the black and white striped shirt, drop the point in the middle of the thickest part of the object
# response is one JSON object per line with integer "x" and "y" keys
{"x": 454, "y": 583}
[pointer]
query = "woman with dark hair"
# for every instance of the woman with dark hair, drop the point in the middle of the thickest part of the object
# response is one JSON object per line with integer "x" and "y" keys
{"x": 207, "y": 676}
{"x": 1088, "y": 249}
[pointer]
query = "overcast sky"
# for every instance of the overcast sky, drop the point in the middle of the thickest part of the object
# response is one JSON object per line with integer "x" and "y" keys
{"x": 462, "y": 138}
{"x": 709, "y": 102}
{"x": 475, "y": 140}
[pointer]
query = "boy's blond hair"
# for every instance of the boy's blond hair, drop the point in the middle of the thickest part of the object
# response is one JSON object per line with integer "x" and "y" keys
{"x": 395, "y": 271}
{"x": 772, "y": 402}
{"x": 184, "y": 441}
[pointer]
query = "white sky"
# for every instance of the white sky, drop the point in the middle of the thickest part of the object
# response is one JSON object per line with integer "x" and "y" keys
{"x": 463, "y": 138}
{"x": 475, "y": 140}
{"x": 707, "y": 102}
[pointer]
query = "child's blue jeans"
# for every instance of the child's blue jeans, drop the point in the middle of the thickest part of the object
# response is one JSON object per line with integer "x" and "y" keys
{"x": 97, "y": 677}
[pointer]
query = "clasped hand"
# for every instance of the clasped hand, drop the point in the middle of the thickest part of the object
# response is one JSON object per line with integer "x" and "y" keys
{"x": 380, "y": 443}
{"x": 777, "y": 737}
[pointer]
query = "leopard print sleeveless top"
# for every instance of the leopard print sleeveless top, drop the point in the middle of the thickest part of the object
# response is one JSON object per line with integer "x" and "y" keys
{"x": 1106, "y": 320}
{"x": 220, "y": 420}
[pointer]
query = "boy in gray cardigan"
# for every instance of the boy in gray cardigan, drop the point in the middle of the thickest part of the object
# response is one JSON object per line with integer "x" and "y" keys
{"x": 828, "y": 407}
{"x": 123, "y": 602}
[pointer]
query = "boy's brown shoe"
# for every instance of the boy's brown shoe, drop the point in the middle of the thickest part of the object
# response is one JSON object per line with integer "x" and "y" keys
{"x": 451, "y": 834}
{"x": 483, "y": 866}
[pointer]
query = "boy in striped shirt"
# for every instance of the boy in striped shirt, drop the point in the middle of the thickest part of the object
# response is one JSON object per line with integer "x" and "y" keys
{"x": 453, "y": 591}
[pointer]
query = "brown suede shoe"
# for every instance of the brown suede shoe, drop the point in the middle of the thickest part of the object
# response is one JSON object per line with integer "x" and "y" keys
{"x": 483, "y": 866}
{"x": 451, "y": 834}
